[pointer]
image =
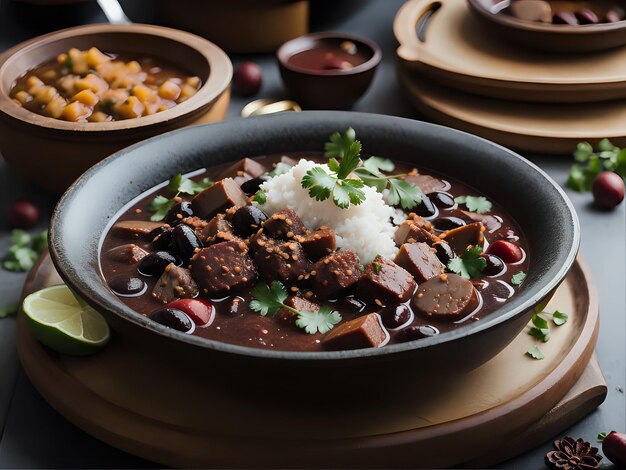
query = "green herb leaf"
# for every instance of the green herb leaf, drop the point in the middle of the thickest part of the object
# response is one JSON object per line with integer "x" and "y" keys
{"x": 321, "y": 321}
{"x": 340, "y": 144}
{"x": 605, "y": 145}
{"x": 319, "y": 183}
{"x": 559, "y": 318}
{"x": 607, "y": 158}
{"x": 478, "y": 204}
{"x": 518, "y": 278}
{"x": 40, "y": 242}
{"x": 350, "y": 160}
{"x": 403, "y": 193}
{"x": 260, "y": 197}
{"x": 192, "y": 187}
{"x": 20, "y": 238}
{"x": 535, "y": 353}
{"x": 583, "y": 151}
{"x": 601, "y": 436}
{"x": 20, "y": 259}
{"x": 160, "y": 206}
{"x": 539, "y": 322}
{"x": 175, "y": 182}
{"x": 268, "y": 300}
{"x": 346, "y": 192}
{"x": 69, "y": 63}
{"x": 378, "y": 164}
{"x": 8, "y": 310}
{"x": 376, "y": 267}
{"x": 470, "y": 264}
{"x": 540, "y": 333}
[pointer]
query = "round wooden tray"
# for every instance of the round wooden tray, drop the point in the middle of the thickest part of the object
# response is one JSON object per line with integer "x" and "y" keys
{"x": 161, "y": 410}
{"x": 536, "y": 128}
{"x": 457, "y": 51}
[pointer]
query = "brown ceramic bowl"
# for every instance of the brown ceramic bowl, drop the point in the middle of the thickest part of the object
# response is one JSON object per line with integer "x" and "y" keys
{"x": 52, "y": 153}
{"x": 327, "y": 89}
{"x": 552, "y": 37}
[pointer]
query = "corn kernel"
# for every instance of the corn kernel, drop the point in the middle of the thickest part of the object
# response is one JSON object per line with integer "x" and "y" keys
{"x": 169, "y": 90}
{"x": 187, "y": 92}
{"x": 95, "y": 57}
{"x": 75, "y": 111}
{"x": 87, "y": 97}
{"x": 145, "y": 94}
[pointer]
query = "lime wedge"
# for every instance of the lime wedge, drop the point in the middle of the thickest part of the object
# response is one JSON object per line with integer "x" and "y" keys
{"x": 64, "y": 323}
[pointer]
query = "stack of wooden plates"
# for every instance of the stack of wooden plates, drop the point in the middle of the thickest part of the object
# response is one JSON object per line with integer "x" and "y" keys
{"x": 458, "y": 74}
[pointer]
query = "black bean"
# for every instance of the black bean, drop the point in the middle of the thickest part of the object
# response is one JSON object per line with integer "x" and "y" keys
{"x": 178, "y": 212}
{"x": 125, "y": 286}
{"x": 448, "y": 223}
{"x": 173, "y": 318}
{"x": 442, "y": 200}
{"x": 494, "y": 265}
{"x": 247, "y": 220}
{"x": 418, "y": 332}
{"x": 426, "y": 208}
{"x": 394, "y": 316}
{"x": 163, "y": 241}
{"x": 185, "y": 242}
{"x": 155, "y": 263}
{"x": 444, "y": 252}
{"x": 587, "y": 16}
{"x": 252, "y": 186}
{"x": 157, "y": 231}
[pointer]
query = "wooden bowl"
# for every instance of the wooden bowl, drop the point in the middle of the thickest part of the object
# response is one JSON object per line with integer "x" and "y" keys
{"x": 52, "y": 153}
{"x": 327, "y": 89}
{"x": 551, "y": 37}
{"x": 536, "y": 202}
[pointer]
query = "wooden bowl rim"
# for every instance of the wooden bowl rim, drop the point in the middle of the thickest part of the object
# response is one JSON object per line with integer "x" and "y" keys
{"x": 218, "y": 81}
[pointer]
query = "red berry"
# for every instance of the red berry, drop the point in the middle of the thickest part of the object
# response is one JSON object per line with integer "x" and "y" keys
{"x": 608, "y": 189}
{"x": 507, "y": 251}
{"x": 248, "y": 78}
{"x": 23, "y": 214}
{"x": 614, "y": 447}
{"x": 200, "y": 311}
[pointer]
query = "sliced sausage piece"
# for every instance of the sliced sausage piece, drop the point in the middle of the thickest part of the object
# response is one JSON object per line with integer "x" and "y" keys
{"x": 260, "y": 241}
{"x": 384, "y": 281}
{"x": 223, "y": 268}
{"x": 284, "y": 261}
{"x": 335, "y": 273}
{"x": 447, "y": 297}
{"x": 135, "y": 228}
{"x": 301, "y": 304}
{"x": 217, "y": 198}
{"x": 219, "y": 230}
{"x": 427, "y": 183}
{"x": 410, "y": 232}
{"x": 363, "y": 332}
{"x": 284, "y": 225}
{"x": 420, "y": 260}
{"x": 129, "y": 253}
{"x": 461, "y": 238}
{"x": 319, "y": 243}
{"x": 174, "y": 283}
{"x": 243, "y": 170}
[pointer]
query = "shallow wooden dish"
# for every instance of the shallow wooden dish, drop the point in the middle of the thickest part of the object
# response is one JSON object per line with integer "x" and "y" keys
{"x": 52, "y": 153}
{"x": 453, "y": 49}
{"x": 509, "y": 405}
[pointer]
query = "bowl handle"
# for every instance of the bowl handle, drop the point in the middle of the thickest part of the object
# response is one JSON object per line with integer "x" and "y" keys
{"x": 411, "y": 24}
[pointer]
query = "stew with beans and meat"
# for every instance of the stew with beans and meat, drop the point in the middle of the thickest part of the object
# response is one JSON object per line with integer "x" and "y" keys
{"x": 306, "y": 252}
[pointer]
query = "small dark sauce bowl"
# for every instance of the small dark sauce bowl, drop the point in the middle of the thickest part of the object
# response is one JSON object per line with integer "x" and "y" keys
{"x": 323, "y": 88}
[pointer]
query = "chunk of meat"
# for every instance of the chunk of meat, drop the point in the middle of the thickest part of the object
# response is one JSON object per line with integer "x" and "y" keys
{"x": 217, "y": 198}
{"x": 284, "y": 225}
{"x": 319, "y": 243}
{"x": 334, "y": 273}
{"x": 427, "y": 183}
{"x": 420, "y": 260}
{"x": 384, "y": 281}
{"x": 362, "y": 332}
{"x": 243, "y": 170}
{"x": 199, "y": 226}
{"x": 129, "y": 253}
{"x": 301, "y": 304}
{"x": 284, "y": 261}
{"x": 223, "y": 268}
{"x": 447, "y": 297}
{"x": 219, "y": 230}
{"x": 259, "y": 240}
{"x": 461, "y": 238}
{"x": 135, "y": 228}
{"x": 174, "y": 283}
{"x": 492, "y": 222}
{"x": 411, "y": 232}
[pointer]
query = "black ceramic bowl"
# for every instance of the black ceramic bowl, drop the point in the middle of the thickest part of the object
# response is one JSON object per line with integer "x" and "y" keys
{"x": 545, "y": 214}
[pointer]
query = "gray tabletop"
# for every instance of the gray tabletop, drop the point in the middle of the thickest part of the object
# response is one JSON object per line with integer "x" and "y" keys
{"x": 36, "y": 436}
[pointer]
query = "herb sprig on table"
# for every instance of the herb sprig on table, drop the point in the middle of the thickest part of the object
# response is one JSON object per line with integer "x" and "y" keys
{"x": 161, "y": 205}
{"x": 269, "y": 299}
{"x": 343, "y": 151}
{"x": 24, "y": 250}
{"x": 591, "y": 163}
{"x": 541, "y": 330}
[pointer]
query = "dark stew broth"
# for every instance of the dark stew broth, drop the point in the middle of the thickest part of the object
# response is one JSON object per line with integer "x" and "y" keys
{"x": 376, "y": 310}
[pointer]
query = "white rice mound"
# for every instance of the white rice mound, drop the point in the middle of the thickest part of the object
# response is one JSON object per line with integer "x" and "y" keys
{"x": 365, "y": 229}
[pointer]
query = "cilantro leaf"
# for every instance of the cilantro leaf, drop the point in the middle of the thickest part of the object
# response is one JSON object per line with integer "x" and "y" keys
{"x": 350, "y": 160}
{"x": 319, "y": 183}
{"x": 346, "y": 192}
{"x": 378, "y": 164}
{"x": 192, "y": 187}
{"x": 404, "y": 193}
{"x": 40, "y": 242}
{"x": 601, "y": 436}
{"x": 8, "y": 310}
{"x": 607, "y": 158}
{"x": 160, "y": 206}
{"x": 518, "y": 278}
{"x": 268, "y": 300}
{"x": 605, "y": 145}
{"x": 470, "y": 264}
{"x": 478, "y": 204}
{"x": 20, "y": 259}
{"x": 260, "y": 197}
{"x": 339, "y": 144}
{"x": 540, "y": 333}
{"x": 583, "y": 151}
{"x": 321, "y": 321}
{"x": 175, "y": 182}
{"x": 539, "y": 321}
{"x": 559, "y": 318}
{"x": 20, "y": 238}
{"x": 535, "y": 353}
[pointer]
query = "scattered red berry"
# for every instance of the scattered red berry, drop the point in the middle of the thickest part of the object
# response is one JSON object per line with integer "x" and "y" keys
{"x": 507, "y": 251}
{"x": 608, "y": 189}
{"x": 22, "y": 214}
{"x": 614, "y": 448}
{"x": 248, "y": 78}
{"x": 200, "y": 311}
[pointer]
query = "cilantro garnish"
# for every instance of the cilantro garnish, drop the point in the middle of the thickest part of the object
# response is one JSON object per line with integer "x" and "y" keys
{"x": 608, "y": 157}
{"x": 8, "y": 310}
{"x": 518, "y": 278}
{"x": 541, "y": 329}
{"x": 535, "y": 353}
{"x": 601, "y": 436}
{"x": 377, "y": 267}
{"x": 24, "y": 250}
{"x": 260, "y": 197}
{"x": 69, "y": 63}
{"x": 470, "y": 264}
{"x": 161, "y": 205}
{"x": 559, "y": 318}
{"x": 478, "y": 204}
{"x": 269, "y": 299}
{"x": 340, "y": 144}
{"x": 322, "y": 185}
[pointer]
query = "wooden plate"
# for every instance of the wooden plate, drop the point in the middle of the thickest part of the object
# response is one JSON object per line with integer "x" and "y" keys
{"x": 161, "y": 410}
{"x": 457, "y": 51}
{"x": 526, "y": 127}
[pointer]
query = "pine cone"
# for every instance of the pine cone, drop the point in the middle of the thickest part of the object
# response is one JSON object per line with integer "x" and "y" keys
{"x": 572, "y": 455}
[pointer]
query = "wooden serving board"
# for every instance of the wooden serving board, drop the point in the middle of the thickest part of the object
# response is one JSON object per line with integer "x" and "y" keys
{"x": 161, "y": 410}
{"x": 527, "y": 127}
{"x": 458, "y": 51}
